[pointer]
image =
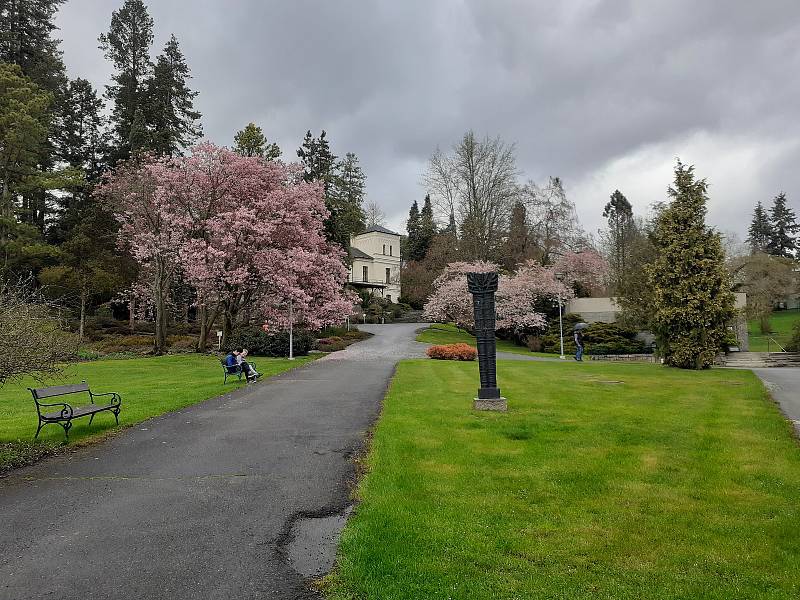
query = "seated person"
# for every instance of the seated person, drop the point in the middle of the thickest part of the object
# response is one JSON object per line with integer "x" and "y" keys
{"x": 247, "y": 368}
{"x": 232, "y": 361}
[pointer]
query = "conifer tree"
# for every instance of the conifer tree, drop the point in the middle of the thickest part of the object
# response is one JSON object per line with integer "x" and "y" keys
{"x": 784, "y": 228}
{"x": 250, "y": 141}
{"x": 692, "y": 303}
{"x": 427, "y": 227}
{"x": 518, "y": 244}
{"x": 345, "y": 199}
{"x": 412, "y": 228}
{"x": 169, "y": 103}
{"x": 127, "y": 45}
{"x": 760, "y": 230}
{"x": 619, "y": 236}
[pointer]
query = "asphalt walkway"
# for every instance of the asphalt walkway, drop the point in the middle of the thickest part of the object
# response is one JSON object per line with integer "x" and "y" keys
{"x": 197, "y": 503}
{"x": 784, "y": 385}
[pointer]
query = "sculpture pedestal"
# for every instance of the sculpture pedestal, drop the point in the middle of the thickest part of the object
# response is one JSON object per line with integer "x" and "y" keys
{"x": 497, "y": 404}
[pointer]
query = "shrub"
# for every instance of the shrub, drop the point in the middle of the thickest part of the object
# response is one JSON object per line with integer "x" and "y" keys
{"x": 534, "y": 343}
{"x": 261, "y": 343}
{"x": 794, "y": 341}
{"x": 182, "y": 342}
{"x": 453, "y": 352}
{"x": 598, "y": 339}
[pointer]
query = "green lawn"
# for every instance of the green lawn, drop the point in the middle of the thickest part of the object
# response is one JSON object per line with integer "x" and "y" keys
{"x": 602, "y": 481}
{"x": 781, "y": 323}
{"x": 149, "y": 387}
{"x": 438, "y": 333}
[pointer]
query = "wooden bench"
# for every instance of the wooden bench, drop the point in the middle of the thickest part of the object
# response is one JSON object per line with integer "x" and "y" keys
{"x": 68, "y": 412}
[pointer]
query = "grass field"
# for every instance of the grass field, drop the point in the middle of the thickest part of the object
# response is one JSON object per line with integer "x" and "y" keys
{"x": 148, "y": 386}
{"x": 438, "y": 333}
{"x": 602, "y": 481}
{"x": 781, "y": 323}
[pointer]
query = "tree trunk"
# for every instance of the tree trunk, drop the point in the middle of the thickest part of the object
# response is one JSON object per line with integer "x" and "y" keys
{"x": 160, "y": 337}
{"x": 763, "y": 322}
{"x": 132, "y": 313}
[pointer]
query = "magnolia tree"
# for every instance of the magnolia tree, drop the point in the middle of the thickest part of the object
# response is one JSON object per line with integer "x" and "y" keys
{"x": 522, "y": 297}
{"x": 519, "y": 301}
{"x": 247, "y": 234}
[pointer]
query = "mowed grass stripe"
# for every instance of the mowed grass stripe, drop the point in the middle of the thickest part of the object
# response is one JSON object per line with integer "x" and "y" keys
{"x": 671, "y": 484}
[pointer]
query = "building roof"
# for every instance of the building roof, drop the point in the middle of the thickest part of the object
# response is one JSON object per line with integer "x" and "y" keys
{"x": 378, "y": 229}
{"x": 356, "y": 253}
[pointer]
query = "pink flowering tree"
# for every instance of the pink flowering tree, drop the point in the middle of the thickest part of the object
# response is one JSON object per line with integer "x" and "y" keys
{"x": 586, "y": 272}
{"x": 250, "y": 238}
{"x": 147, "y": 230}
{"x": 521, "y": 298}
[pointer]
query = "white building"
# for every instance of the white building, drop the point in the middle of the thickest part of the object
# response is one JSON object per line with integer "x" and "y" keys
{"x": 376, "y": 262}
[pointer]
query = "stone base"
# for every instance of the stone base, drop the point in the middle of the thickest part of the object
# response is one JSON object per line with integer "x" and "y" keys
{"x": 498, "y": 404}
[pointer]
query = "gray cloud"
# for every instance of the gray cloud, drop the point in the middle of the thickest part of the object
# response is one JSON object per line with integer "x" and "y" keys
{"x": 602, "y": 93}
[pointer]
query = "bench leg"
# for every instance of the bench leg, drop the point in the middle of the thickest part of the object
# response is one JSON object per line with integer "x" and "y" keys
{"x": 67, "y": 426}
{"x": 116, "y": 416}
{"x": 91, "y": 418}
{"x": 38, "y": 429}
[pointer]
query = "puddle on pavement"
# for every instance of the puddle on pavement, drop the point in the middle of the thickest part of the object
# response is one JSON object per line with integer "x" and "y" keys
{"x": 312, "y": 549}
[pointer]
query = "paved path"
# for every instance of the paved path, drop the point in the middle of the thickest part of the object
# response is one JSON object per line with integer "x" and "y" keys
{"x": 784, "y": 385}
{"x": 197, "y": 503}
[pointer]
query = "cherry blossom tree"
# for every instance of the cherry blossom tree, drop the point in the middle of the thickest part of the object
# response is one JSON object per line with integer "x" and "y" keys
{"x": 246, "y": 232}
{"x": 585, "y": 271}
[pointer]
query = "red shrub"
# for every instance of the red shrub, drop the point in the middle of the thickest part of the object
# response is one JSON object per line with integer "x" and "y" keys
{"x": 453, "y": 352}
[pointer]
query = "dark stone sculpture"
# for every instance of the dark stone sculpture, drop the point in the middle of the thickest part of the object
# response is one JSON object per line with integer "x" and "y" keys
{"x": 483, "y": 286}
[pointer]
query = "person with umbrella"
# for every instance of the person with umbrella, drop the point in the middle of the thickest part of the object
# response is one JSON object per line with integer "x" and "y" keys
{"x": 579, "y": 340}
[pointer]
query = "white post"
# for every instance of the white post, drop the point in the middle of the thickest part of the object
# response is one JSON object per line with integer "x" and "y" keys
{"x": 348, "y": 323}
{"x": 291, "y": 331}
{"x": 561, "y": 328}
{"x": 219, "y": 340}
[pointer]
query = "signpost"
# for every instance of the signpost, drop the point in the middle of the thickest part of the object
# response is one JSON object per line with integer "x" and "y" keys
{"x": 483, "y": 286}
{"x": 219, "y": 340}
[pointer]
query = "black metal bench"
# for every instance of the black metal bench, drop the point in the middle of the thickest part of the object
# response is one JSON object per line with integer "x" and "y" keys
{"x": 234, "y": 370}
{"x": 68, "y": 412}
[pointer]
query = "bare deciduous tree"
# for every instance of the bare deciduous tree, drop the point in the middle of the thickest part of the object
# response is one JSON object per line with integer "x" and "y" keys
{"x": 34, "y": 339}
{"x": 554, "y": 222}
{"x": 477, "y": 183}
{"x": 374, "y": 215}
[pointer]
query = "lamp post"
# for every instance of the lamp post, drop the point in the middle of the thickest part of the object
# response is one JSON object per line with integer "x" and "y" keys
{"x": 560, "y": 276}
{"x": 291, "y": 331}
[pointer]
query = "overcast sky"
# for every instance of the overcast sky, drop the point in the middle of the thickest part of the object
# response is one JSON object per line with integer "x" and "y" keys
{"x": 604, "y": 94}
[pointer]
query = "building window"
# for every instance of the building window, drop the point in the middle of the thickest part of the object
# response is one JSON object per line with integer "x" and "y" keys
{"x": 389, "y": 297}
{"x": 390, "y": 249}
{"x": 388, "y": 275}
{"x": 365, "y": 273}
{"x": 384, "y": 248}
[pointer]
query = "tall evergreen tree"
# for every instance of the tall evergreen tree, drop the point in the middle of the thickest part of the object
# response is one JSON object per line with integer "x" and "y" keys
{"x": 427, "y": 227}
{"x": 783, "y": 237}
{"x": 759, "y": 233}
{"x": 619, "y": 236}
{"x": 693, "y": 303}
{"x": 518, "y": 244}
{"x": 317, "y": 158}
{"x": 452, "y": 228}
{"x": 345, "y": 199}
{"x": 127, "y": 45}
{"x": 250, "y": 141}
{"x": 169, "y": 103}
{"x": 411, "y": 251}
{"x": 25, "y": 40}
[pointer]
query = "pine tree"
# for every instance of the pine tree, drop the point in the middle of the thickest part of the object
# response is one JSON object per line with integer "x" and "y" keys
{"x": 783, "y": 238}
{"x": 760, "y": 230}
{"x": 618, "y": 239}
{"x": 169, "y": 103}
{"x": 82, "y": 145}
{"x": 412, "y": 227}
{"x": 127, "y": 45}
{"x": 345, "y": 199}
{"x": 25, "y": 40}
{"x": 427, "y": 227}
{"x": 518, "y": 244}
{"x": 452, "y": 228}
{"x": 250, "y": 141}
{"x": 318, "y": 160}
{"x": 692, "y": 303}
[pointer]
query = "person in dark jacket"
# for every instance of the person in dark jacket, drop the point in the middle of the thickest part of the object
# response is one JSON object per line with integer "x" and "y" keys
{"x": 578, "y": 345}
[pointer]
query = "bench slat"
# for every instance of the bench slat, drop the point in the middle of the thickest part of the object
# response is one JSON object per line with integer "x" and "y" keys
{"x": 80, "y": 411}
{"x": 60, "y": 390}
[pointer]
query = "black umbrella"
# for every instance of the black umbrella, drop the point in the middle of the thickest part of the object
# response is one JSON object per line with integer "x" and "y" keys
{"x": 579, "y": 326}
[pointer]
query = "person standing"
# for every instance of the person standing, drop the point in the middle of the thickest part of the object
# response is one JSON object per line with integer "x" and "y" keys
{"x": 578, "y": 345}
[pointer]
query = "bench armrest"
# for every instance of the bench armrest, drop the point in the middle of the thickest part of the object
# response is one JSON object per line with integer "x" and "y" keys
{"x": 66, "y": 410}
{"x": 115, "y": 397}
